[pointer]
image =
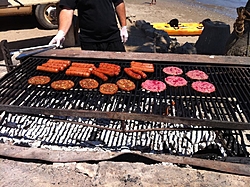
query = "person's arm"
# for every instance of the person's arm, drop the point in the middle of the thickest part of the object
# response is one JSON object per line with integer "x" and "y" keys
{"x": 65, "y": 20}
{"x": 121, "y": 14}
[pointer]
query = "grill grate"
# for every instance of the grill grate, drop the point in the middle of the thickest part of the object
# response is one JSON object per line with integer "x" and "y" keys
{"x": 230, "y": 103}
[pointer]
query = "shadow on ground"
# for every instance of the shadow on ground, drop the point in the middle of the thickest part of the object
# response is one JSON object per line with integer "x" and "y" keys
{"x": 19, "y": 23}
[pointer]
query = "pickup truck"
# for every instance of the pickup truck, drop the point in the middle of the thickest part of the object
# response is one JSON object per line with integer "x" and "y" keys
{"x": 43, "y": 10}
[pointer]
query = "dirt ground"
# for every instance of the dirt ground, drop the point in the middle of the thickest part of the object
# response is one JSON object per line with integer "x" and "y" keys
{"x": 111, "y": 174}
{"x": 22, "y": 32}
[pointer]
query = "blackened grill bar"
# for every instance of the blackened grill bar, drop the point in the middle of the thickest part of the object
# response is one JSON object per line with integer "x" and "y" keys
{"x": 215, "y": 124}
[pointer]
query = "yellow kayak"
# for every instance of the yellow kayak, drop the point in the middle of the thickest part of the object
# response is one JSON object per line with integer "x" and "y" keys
{"x": 183, "y": 29}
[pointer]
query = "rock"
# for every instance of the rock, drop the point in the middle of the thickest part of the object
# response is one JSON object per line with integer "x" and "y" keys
{"x": 187, "y": 48}
{"x": 150, "y": 32}
{"x": 139, "y": 23}
{"x": 146, "y": 26}
{"x": 89, "y": 170}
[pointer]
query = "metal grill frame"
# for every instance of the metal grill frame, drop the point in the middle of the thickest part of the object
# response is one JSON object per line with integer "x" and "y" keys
{"x": 75, "y": 53}
{"x": 158, "y": 58}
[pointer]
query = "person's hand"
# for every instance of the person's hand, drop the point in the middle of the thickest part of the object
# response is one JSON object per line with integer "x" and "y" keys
{"x": 58, "y": 39}
{"x": 124, "y": 34}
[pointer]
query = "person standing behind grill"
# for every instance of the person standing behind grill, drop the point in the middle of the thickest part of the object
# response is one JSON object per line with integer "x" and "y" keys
{"x": 97, "y": 22}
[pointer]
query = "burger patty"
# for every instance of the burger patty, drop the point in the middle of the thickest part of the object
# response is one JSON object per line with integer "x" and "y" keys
{"x": 62, "y": 84}
{"x": 125, "y": 84}
{"x": 88, "y": 83}
{"x": 154, "y": 85}
{"x": 197, "y": 75}
{"x": 39, "y": 80}
{"x": 172, "y": 70}
{"x": 108, "y": 88}
{"x": 203, "y": 87}
{"x": 175, "y": 81}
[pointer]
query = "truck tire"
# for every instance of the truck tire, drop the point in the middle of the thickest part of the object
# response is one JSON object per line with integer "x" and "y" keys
{"x": 46, "y": 15}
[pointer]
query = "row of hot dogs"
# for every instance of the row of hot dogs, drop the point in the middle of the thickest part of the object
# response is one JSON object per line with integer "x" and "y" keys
{"x": 137, "y": 70}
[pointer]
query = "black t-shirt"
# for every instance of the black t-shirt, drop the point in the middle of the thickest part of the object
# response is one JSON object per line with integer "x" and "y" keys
{"x": 97, "y": 19}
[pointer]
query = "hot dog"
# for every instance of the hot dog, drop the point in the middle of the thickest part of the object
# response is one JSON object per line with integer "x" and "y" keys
{"x": 84, "y": 65}
{"x": 146, "y": 67}
{"x": 138, "y": 64}
{"x": 106, "y": 71}
{"x": 143, "y": 75}
{"x": 132, "y": 74}
{"x": 74, "y": 68}
{"x": 100, "y": 75}
{"x": 77, "y": 73}
{"x": 47, "y": 69}
{"x": 60, "y": 68}
{"x": 56, "y": 64}
{"x": 113, "y": 67}
{"x": 56, "y": 61}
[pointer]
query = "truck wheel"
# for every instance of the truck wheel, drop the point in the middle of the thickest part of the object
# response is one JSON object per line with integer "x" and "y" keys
{"x": 46, "y": 15}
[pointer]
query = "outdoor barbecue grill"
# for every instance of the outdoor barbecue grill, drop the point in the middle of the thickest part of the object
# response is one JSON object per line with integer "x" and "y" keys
{"x": 177, "y": 121}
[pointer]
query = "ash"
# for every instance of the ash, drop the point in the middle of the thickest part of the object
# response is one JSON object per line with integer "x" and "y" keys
{"x": 91, "y": 134}
{"x": 72, "y": 134}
